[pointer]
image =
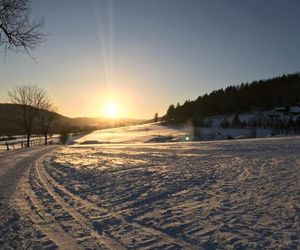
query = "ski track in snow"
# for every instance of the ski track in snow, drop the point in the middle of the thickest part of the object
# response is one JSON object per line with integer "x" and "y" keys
{"x": 240, "y": 194}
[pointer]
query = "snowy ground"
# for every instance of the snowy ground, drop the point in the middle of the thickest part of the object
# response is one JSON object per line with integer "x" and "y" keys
{"x": 241, "y": 194}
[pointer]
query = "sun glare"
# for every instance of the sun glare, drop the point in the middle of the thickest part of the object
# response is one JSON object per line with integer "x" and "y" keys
{"x": 111, "y": 110}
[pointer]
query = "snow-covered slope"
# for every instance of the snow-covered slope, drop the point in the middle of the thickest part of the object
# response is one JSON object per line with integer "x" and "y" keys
{"x": 134, "y": 134}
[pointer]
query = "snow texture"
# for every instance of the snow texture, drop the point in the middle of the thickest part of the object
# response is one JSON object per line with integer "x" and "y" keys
{"x": 241, "y": 194}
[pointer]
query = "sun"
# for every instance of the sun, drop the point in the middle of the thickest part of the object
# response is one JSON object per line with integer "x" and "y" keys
{"x": 111, "y": 110}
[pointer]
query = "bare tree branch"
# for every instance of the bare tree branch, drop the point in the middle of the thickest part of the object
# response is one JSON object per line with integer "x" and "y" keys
{"x": 18, "y": 32}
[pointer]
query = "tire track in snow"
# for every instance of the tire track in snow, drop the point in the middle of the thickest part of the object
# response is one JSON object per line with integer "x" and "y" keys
{"x": 38, "y": 214}
{"x": 85, "y": 222}
{"x": 87, "y": 204}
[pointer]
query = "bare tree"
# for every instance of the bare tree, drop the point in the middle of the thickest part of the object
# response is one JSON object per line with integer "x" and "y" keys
{"x": 17, "y": 31}
{"x": 45, "y": 120}
{"x": 30, "y": 100}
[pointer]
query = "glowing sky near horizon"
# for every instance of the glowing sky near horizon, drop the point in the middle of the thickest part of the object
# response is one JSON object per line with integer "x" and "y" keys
{"x": 148, "y": 54}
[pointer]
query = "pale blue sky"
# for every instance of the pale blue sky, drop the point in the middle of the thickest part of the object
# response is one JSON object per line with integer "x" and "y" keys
{"x": 148, "y": 54}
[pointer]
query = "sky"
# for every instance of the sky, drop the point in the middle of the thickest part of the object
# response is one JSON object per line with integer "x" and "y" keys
{"x": 143, "y": 55}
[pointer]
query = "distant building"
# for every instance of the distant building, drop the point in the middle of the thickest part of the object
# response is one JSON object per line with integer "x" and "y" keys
{"x": 295, "y": 110}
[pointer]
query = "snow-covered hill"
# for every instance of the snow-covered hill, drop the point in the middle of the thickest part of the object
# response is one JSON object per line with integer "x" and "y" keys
{"x": 150, "y": 132}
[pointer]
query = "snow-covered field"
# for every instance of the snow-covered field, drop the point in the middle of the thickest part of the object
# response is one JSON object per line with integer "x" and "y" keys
{"x": 241, "y": 194}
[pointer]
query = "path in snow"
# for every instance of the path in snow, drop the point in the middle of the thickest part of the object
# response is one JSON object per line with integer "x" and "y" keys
{"x": 16, "y": 229}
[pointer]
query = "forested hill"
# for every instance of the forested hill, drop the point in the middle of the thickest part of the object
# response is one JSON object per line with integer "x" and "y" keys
{"x": 243, "y": 98}
{"x": 79, "y": 124}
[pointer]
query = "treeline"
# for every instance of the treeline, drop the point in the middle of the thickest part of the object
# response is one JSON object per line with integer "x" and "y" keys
{"x": 9, "y": 127}
{"x": 244, "y": 98}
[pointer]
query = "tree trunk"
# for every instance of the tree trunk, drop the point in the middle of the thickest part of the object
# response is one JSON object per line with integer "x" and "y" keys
{"x": 28, "y": 141}
{"x": 46, "y": 139}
